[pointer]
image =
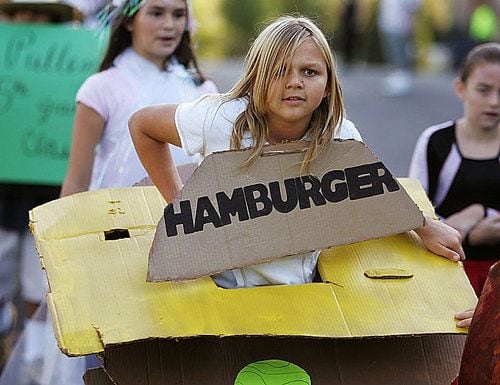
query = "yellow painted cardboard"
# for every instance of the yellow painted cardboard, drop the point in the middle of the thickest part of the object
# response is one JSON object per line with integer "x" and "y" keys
{"x": 99, "y": 294}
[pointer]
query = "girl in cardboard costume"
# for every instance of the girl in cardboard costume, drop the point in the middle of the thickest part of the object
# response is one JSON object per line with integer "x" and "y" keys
{"x": 289, "y": 92}
{"x": 149, "y": 60}
{"x": 458, "y": 163}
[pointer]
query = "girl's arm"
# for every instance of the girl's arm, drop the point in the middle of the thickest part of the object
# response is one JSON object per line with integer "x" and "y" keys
{"x": 486, "y": 232}
{"x": 441, "y": 239}
{"x": 152, "y": 129}
{"x": 466, "y": 219}
{"x": 87, "y": 131}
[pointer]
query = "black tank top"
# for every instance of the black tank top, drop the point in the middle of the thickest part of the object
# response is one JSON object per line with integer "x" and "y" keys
{"x": 476, "y": 181}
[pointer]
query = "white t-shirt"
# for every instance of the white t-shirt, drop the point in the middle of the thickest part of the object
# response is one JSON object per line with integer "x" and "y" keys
{"x": 204, "y": 127}
{"x": 115, "y": 94}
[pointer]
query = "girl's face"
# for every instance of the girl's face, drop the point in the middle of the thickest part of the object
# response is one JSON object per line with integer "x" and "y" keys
{"x": 293, "y": 98}
{"x": 157, "y": 29}
{"x": 481, "y": 95}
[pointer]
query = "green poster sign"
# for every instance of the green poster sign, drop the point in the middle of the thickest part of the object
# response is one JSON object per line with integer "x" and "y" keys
{"x": 41, "y": 69}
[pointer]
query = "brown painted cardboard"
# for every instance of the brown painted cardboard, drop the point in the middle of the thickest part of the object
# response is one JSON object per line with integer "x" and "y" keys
{"x": 97, "y": 376}
{"x": 418, "y": 360}
{"x": 222, "y": 205}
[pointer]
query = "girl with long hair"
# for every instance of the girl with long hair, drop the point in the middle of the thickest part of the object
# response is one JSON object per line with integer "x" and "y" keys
{"x": 149, "y": 60}
{"x": 289, "y": 92}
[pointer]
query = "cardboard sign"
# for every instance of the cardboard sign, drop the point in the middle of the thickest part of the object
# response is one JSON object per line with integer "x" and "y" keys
{"x": 349, "y": 196}
{"x": 41, "y": 69}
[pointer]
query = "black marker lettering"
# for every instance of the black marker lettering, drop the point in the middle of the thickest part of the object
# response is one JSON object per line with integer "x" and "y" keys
{"x": 205, "y": 213}
{"x": 184, "y": 218}
{"x": 261, "y": 199}
{"x": 308, "y": 188}
{"x": 258, "y": 200}
{"x": 232, "y": 206}
{"x": 284, "y": 206}
{"x": 334, "y": 192}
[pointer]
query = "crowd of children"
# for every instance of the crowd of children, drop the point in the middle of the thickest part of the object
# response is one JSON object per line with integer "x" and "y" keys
{"x": 288, "y": 92}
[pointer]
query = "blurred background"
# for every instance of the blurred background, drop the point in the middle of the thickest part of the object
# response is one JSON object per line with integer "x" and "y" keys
{"x": 227, "y": 26}
{"x": 443, "y": 32}
{"x": 390, "y": 119}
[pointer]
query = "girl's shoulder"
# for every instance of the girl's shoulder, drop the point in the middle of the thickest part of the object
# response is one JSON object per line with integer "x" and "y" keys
{"x": 210, "y": 111}
{"x": 219, "y": 103}
{"x": 106, "y": 90}
{"x": 347, "y": 130}
{"x": 450, "y": 124}
{"x": 442, "y": 130}
{"x": 108, "y": 79}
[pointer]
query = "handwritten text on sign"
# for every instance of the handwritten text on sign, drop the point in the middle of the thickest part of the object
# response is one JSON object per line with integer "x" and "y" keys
{"x": 41, "y": 69}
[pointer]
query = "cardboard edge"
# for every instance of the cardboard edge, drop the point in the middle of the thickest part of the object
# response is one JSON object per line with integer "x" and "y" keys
{"x": 51, "y": 306}
{"x": 59, "y": 335}
{"x": 153, "y": 276}
{"x": 422, "y": 214}
{"x": 460, "y": 332}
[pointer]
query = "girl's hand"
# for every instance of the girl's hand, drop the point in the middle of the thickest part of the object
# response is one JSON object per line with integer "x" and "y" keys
{"x": 464, "y": 318}
{"x": 441, "y": 239}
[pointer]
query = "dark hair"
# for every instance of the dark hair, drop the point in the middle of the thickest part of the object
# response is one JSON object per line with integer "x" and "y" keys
{"x": 121, "y": 38}
{"x": 483, "y": 53}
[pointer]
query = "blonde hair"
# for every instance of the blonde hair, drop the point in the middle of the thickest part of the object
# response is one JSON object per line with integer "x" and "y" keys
{"x": 269, "y": 55}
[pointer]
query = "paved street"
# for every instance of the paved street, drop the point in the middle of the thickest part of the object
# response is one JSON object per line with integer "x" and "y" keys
{"x": 389, "y": 126}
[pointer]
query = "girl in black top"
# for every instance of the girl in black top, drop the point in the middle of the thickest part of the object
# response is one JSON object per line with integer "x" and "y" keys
{"x": 458, "y": 163}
